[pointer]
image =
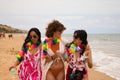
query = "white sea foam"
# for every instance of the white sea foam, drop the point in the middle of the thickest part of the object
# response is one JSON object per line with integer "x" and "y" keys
{"x": 107, "y": 64}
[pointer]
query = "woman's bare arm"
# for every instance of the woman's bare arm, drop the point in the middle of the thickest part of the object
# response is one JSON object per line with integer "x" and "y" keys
{"x": 15, "y": 65}
{"x": 88, "y": 53}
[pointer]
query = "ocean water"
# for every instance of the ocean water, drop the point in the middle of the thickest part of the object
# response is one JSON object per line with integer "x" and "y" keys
{"x": 105, "y": 52}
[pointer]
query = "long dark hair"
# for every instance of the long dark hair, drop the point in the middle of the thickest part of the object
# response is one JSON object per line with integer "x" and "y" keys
{"x": 27, "y": 39}
{"x": 81, "y": 34}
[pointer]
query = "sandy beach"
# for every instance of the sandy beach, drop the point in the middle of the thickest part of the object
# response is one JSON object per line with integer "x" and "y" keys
{"x": 9, "y": 47}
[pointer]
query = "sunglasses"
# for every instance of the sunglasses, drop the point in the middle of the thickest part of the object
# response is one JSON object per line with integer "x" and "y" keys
{"x": 34, "y": 36}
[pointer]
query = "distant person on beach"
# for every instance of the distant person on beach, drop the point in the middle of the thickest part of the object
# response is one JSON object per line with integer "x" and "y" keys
{"x": 10, "y": 36}
{"x": 2, "y": 34}
{"x": 78, "y": 53}
{"x": 30, "y": 57}
{"x": 53, "y": 50}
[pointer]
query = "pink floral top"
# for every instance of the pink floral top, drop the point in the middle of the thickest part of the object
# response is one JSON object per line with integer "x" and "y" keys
{"x": 30, "y": 67}
{"x": 77, "y": 64}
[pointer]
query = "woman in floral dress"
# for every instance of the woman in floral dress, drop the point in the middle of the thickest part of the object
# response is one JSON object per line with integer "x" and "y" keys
{"x": 30, "y": 57}
{"x": 78, "y": 54}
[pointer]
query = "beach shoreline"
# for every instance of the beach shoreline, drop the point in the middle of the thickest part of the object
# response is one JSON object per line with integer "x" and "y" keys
{"x": 9, "y": 47}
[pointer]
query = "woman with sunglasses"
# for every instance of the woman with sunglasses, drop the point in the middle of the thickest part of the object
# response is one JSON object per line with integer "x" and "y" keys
{"x": 78, "y": 53}
{"x": 53, "y": 49}
{"x": 30, "y": 57}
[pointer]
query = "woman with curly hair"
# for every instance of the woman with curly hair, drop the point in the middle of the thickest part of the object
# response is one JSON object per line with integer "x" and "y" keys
{"x": 53, "y": 50}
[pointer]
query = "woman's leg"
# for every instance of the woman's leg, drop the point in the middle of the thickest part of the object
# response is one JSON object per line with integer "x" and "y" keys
{"x": 61, "y": 75}
{"x": 50, "y": 76}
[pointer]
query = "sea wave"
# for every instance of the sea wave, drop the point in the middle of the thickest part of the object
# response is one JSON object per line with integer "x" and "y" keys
{"x": 107, "y": 64}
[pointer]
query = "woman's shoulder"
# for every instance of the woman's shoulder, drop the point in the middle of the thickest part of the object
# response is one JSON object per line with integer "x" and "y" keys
{"x": 88, "y": 47}
{"x": 87, "y": 50}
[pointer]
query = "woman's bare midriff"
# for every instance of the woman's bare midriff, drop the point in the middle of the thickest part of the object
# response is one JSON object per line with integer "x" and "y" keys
{"x": 57, "y": 67}
{"x": 58, "y": 64}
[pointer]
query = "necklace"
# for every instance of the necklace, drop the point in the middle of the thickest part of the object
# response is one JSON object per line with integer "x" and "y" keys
{"x": 29, "y": 46}
{"x": 47, "y": 43}
{"x": 71, "y": 50}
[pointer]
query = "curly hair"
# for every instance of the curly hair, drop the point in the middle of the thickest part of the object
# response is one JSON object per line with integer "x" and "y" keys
{"x": 54, "y": 26}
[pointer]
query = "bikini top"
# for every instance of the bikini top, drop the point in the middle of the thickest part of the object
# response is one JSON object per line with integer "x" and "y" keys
{"x": 61, "y": 50}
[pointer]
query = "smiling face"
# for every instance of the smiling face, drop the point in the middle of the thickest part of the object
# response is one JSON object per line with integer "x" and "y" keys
{"x": 34, "y": 37}
{"x": 76, "y": 39}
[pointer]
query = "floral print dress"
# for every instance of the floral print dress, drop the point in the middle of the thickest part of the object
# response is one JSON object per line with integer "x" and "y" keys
{"x": 30, "y": 68}
{"x": 76, "y": 66}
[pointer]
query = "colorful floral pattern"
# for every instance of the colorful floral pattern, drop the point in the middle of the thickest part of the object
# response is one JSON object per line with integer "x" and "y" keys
{"x": 30, "y": 69}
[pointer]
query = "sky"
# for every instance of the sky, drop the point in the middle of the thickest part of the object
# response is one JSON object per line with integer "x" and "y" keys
{"x": 94, "y": 16}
